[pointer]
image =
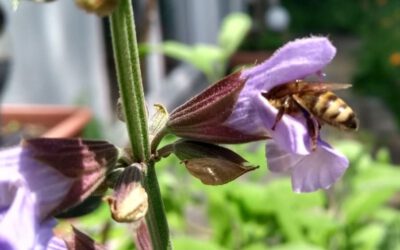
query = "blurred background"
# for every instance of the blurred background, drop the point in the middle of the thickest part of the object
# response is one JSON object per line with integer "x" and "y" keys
{"x": 57, "y": 74}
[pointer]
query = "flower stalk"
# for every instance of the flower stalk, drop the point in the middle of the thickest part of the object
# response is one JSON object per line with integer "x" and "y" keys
{"x": 133, "y": 105}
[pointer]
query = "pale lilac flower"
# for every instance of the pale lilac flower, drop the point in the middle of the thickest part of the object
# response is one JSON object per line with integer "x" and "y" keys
{"x": 233, "y": 110}
{"x": 40, "y": 178}
{"x": 290, "y": 149}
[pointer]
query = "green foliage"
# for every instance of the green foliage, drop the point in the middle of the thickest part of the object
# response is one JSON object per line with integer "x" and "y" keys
{"x": 328, "y": 16}
{"x": 211, "y": 59}
{"x": 379, "y": 61}
{"x": 257, "y": 212}
{"x": 260, "y": 211}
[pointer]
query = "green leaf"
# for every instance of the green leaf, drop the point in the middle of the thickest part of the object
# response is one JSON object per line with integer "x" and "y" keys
{"x": 377, "y": 176}
{"x": 185, "y": 243}
{"x": 362, "y": 204}
{"x": 233, "y": 30}
{"x": 206, "y": 58}
{"x": 352, "y": 149}
{"x": 318, "y": 224}
{"x": 383, "y": 156}
{"x": 369, "y": 236}
{"x": 225, "y": 217}
{"x": 294, "y": 246}
{"x": 256, "y": 246}
{"x": 178, "y": 51}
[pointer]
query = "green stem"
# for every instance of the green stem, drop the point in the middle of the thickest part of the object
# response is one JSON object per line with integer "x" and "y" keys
{"x": 132, "y": 97}
{"x": 130, "y": 79}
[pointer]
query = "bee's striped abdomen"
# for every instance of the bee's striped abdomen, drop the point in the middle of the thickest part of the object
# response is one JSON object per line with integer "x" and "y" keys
{"x": 333, "y": 110}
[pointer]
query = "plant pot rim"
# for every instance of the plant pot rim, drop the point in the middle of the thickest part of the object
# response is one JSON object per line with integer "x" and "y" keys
{"x": 63, "y": 121}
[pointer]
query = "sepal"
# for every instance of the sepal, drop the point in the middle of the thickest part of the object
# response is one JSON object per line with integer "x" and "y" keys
{"x": 212, "y": 164}
{"x": 84, "y": 162}
{"x": 80, "y": 241}
{"x": 203, "y": 117}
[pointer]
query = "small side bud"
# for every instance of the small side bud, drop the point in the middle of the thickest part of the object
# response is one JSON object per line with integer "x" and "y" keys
{"x": 99, "y": 7}
{"x": 129, "y": 202}
{"x": 212, "y": 164}
{"x": 203, "y": 117}
{"x": 158, "y": 120}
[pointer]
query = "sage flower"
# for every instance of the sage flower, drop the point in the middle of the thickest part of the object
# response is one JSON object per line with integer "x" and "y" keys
{"x": 41, "y": 178}
{"x": 290, "y": 148}
{"x": 234, "y": 110}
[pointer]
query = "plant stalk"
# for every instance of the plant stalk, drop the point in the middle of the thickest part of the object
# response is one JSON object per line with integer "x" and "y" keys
{"x": 132, "y": 97}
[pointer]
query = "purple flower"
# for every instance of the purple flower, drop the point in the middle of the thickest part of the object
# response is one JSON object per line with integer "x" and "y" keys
{"x": 41, "y": 178}
{"x": 290, "y": 149}
{"x": 235, "y": 110}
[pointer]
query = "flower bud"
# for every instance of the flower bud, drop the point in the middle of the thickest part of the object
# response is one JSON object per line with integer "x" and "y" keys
{"x": 99, "y": 7}
{"x": 129, "y": 201}
{"x": 212, "y": 164}
{"x": 203, "y": 117}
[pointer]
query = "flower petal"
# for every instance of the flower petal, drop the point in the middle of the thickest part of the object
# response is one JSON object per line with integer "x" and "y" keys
{"x": 56, "y": 243}
{"x": 319, "y": 169}
{"x": 253, "y": 114}
{"x": 19, "y": 224}
{"x": 259, "y": 117}
{"x": 280, "y": 160}
{"x": 44, "y": 234}
{"x": 294, "y": 60}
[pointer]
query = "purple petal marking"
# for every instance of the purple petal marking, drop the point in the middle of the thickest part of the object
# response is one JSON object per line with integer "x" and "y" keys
{"x": 294, "y": 60}
{"x": 319, "y": 169}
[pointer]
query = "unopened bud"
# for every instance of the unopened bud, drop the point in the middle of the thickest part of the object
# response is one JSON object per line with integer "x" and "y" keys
{"x": 99, "y": 7}
{"x": 129, "y": 201}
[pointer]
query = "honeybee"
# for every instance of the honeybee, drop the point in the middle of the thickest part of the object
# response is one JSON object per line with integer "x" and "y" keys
{"x": 316, "y": 102}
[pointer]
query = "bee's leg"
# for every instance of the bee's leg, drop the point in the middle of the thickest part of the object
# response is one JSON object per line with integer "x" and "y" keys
{"x": 281, "y": 111}
{"x": 313, "y": 128}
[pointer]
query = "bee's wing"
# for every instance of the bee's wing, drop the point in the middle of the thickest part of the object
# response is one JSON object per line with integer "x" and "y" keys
{"x": 322, "y": 87}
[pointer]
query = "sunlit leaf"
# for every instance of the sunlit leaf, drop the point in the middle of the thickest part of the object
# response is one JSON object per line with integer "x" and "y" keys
{"x": 186, "y": 243}
{"x": 369, "y": 237}
{"x": 233, "y": 30}
{"x": 296, "y": 246}
{"x": 364, "y": 203}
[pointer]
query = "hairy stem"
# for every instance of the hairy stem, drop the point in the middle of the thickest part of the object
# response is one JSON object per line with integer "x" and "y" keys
{"x": 133, "y": 103}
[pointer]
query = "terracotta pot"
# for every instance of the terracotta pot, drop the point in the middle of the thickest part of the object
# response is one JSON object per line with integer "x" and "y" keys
{"x": 56, "y": 121}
